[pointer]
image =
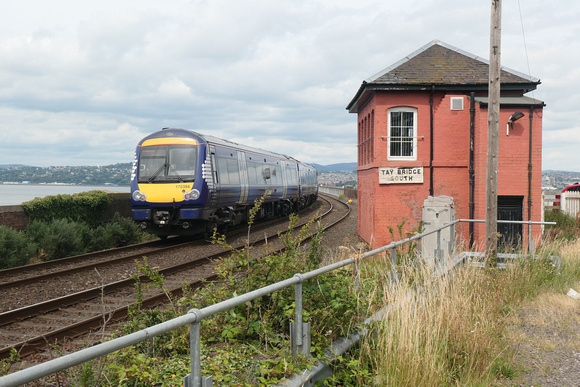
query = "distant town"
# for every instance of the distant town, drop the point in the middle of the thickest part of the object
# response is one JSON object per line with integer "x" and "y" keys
{"x": 336, "y": 175}
{"x": 558, "y": 180}
{"x": 119, "y": 175}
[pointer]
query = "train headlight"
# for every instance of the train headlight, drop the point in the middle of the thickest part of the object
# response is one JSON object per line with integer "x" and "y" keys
{"x": 191, "y": 195}
{"x": 139, "y": 196}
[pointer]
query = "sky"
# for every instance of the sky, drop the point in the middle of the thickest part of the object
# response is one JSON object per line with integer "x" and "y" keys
{"x": 82, "y": 82}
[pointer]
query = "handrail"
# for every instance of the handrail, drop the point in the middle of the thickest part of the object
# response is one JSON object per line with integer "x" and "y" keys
{"x": 300, "y": 343}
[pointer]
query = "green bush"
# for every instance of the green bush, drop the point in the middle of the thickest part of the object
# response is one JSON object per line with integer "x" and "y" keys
{"x": 122, "y": 232}
{"x": 59, "y": 238}
{"x": 62, "y": 237}
{"x": 86, "y": 207}
{"x": 567, "y": 227}
{"x": 15, "y": 248}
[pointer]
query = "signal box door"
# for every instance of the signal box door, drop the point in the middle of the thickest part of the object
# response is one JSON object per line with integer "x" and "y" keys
{"x": 510, "y": 208}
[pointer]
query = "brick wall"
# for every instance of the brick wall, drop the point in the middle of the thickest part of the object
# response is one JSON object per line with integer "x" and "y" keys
{"x": 121, "y": 204}
{"x": 387, "y": 205}
{"x": 13, "y": 217}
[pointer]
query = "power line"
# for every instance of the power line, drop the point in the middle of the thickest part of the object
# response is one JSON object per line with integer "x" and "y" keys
{"x": 525, "y": 45}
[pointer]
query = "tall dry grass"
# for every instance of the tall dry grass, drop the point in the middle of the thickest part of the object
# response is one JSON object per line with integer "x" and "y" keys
{"x": 441, "y": 331}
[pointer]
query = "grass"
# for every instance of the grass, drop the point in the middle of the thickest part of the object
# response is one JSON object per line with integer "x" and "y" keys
{"x": 454, "y": 330}
{"x": 438, "y": 331}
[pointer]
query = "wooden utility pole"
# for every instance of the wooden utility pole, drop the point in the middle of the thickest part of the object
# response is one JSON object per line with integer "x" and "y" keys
{"x": 493, "y": 134}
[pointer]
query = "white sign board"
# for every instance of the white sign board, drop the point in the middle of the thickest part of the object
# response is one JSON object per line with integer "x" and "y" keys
{"x": 400, "y": 175}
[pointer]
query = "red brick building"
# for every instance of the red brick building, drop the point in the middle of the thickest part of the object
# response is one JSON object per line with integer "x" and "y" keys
{"x": 422, "y": 131}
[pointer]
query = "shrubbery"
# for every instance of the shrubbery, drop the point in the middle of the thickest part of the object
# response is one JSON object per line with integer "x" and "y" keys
{"x": 86, "y": 207}
{"x": 567, "y": 227}
{"x": 65, "y": 225}
{"x": 15, "y": 248}
{"x": 63, "y": 238}
{"x": 248, "y": 344}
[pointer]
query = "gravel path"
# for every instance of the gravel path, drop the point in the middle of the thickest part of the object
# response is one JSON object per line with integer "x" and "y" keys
{"x": 545, "y": 334}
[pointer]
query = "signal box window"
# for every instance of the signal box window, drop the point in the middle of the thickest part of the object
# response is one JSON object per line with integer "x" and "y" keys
{"x": 402, "y": 130}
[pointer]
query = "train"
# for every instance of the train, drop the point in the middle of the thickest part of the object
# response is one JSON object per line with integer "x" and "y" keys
{"x": 187, "y": 183}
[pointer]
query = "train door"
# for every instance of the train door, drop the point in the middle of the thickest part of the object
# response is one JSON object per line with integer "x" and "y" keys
{"x": 210, "y": 174}
{"x": 244, "y": 184}
{"x": 510, "y": 208}
{"x": 284, "y": 179}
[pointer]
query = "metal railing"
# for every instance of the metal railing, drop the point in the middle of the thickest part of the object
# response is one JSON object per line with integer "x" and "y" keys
{"x": 332, "y": 191}
{"x": 299, "y": 331}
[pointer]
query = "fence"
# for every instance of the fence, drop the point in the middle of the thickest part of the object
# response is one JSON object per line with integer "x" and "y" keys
{"x": 570, "y": 203}
{"x": 567, "y": 202}
{"x": 348, "y": 191}
{"x": 299, "y": 331}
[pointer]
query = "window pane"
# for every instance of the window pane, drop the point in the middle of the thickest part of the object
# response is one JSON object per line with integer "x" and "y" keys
{"x": 223, "y": 170}
{"x": 407, "y": 119}
{"x": 233, "y": 171}
{"x": 401, "y": 134}
{"x": 151, "y": 160}
{"x": 182, "y": 162}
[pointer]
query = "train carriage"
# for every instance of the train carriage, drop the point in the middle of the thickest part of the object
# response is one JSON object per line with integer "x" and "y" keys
{"x": 184, "y": 183}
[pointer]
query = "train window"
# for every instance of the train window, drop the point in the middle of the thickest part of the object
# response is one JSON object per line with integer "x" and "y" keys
{"x": 274, "y": 176}
{"x": 222, "y": 168}
{"x": 228, "y": 171}
{"x": 253, "y": 175}
{"x": 167, "y": 162}
{"x": 234, "y": 171}
{"x": 292, "y": 175}
{"x": 181, "y": 163}
{"x": 267, "y": 173}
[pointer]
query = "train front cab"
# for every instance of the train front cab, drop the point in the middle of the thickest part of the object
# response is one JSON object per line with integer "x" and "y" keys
{"x": 168, "y": 192}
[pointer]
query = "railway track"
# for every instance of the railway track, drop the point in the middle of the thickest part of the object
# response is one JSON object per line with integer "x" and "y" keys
{"x": 32, "y": 327}
{"x": 75, "y": 274}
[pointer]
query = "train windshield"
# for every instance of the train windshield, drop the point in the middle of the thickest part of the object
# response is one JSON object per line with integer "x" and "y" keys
{"x": 163, "y": 163}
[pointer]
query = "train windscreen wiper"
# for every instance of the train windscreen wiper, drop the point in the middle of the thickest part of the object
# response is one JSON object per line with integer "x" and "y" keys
{"x": 172, "y": 167}
{"x": 157, "y": 172}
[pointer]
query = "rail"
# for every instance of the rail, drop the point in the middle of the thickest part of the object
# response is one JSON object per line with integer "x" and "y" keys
{"x": 299, "y": 331}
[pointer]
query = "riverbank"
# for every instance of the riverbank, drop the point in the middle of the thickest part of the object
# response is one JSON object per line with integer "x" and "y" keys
{"x": 18, "y": 193}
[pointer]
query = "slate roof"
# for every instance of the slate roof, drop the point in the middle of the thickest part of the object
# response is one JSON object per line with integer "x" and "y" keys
{"x": 443, "y": 66}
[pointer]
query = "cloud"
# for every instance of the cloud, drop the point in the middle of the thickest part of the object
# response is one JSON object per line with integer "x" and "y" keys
{"x": 86, "y": 81}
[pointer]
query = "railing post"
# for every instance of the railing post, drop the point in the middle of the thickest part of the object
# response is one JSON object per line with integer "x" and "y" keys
{"x": 452, "y": 239}
{"x": 530, "y": 240}
{"x": 356, "y": 268}
{"x": 299, "y": 331}
{"x": 439, "y": 255}
{"x": 394, "y": 275}
{"x": 194, "y": 379}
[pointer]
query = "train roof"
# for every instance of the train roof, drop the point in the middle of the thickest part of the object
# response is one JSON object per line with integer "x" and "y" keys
{"x": 220, "y": 141}
{"x": 574, "y": 187}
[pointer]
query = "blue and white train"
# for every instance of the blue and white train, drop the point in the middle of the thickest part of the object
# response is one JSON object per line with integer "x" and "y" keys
{"x": 186, "y": 183}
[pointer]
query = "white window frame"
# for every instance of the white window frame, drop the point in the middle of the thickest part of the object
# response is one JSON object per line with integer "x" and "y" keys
{"x": 454, "y": 101}
{"x": 414, "y": 134}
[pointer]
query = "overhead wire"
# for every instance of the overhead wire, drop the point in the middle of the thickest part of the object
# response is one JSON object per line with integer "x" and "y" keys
{"x": 525, "y": 45}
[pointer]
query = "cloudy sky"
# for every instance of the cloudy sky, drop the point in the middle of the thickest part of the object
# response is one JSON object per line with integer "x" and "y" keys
{"x": 82, "y": 82}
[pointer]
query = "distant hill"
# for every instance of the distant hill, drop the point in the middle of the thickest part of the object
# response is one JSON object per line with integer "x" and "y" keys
{"x": 117, "y": 174}
{"x": 15, "y": 166}
{"x": 336, "y": 167}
